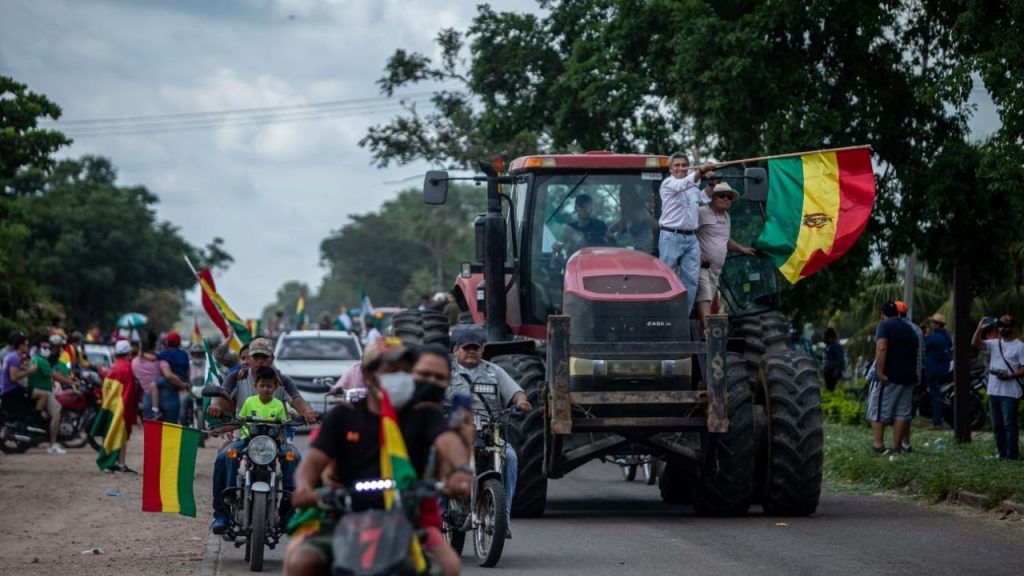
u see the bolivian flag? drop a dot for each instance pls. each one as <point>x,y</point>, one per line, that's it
<point>241,330</point>
<point>109,421</point>
<point>168,468</point>
<point>395,465</point>
<point>300,312</point>
<point>818,205</point>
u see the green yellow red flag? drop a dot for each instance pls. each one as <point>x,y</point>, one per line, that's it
<point>237,325</point>
<point>168,468</point>
<point>300,312</point>
<point>395,465</point>
<point>197,334</point>
<point>818,205</point>
<point>110,424</point>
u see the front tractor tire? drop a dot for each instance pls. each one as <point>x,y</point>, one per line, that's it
<point>528,436</point>
<point>725,486</point>
<point>792,485</point>
<point>765,333</point>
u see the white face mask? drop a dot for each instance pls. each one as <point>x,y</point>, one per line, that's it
<point>399,386</point>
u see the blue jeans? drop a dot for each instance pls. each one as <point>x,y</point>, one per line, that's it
<point>170,404</point>
<point>1004,426</point>
<point>510,474</point>
<point>681,252</point>
<point>935,390</point>
<point>225,473</point>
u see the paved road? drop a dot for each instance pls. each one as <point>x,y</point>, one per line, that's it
<point>597,524</point>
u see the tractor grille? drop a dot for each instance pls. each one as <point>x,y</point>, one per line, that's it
<point>624,284</point>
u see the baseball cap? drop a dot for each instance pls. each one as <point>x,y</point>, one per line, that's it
<point>261,346</point>
<point>173,339</point>
<point>57,340</point>
<point>901,307</point>
<point>388,349</point>
<point>469,335</point>
<point>890,310</point>
<point>122,348</point>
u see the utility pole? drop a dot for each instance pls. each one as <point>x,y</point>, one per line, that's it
<point>908,283</point>
<point>962,334</point>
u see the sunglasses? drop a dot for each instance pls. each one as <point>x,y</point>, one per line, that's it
<point>427,375</point>
<point>471,347</point>
<point>724,195</point>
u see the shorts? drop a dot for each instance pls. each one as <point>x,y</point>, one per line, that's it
<point>890,401</point>
<point>707,284</point>
<point>52,405</point>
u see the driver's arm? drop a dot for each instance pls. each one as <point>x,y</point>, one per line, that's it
<point>218,404</point>
<point>313,464</point>
<point>297,401</point>
<point>452,451</point>
<point>509,392</point>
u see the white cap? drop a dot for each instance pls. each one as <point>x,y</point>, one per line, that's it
<point>122,348</point>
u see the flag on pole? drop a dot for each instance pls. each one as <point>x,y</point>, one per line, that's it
<point>109,421</point>
<point>365,304</point>
<point>343,321</point>
<point>212,378</point>
<point>208,304</point>
<point>818,205</point>
<point>254,326</point>
<point>300,311</point>
<point>239,327</point>
<point>395,465</point>
<point>197,334</point>
<point>169,468</point>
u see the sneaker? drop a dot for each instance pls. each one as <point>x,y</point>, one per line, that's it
<point>110,469</point>
<point>56,449</point>
<point>879,450</point>
<point>219,524</point>
<point>906,449</point>
<point>124,468</point>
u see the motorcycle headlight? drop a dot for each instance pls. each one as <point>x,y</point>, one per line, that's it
<point>262,450</point>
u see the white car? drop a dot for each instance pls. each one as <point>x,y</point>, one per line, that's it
<point>99,356</point>
<point>314,360</point>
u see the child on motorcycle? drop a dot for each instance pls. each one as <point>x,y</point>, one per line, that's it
<point>264,405</point>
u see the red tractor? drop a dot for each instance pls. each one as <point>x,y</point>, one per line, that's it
<point>595,329</point>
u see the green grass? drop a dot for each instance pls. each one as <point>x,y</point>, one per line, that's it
<point>937,468</point>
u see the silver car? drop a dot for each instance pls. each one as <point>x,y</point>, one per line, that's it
<point>314,360</point>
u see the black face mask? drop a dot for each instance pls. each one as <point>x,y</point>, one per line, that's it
<point>1004,332</point>
<point>427,391</point>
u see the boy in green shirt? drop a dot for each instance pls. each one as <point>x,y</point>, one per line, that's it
<point>263,405</point>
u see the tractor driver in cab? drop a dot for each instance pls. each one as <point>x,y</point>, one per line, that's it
<point>470,369</point>
<point>585,231</point>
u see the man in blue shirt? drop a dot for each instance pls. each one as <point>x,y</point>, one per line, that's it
<point>890,399</point>
<point>938,353</point>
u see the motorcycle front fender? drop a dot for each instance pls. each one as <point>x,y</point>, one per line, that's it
<point>260,488</point>
<point>484,476</point>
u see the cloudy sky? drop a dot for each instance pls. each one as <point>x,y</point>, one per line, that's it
<point>273,191</point>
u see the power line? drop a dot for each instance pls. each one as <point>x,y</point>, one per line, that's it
<point>212,114</point>
<point>210,124</point>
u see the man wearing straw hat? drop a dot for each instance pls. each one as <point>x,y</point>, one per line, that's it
<point>713,232</point>
<point>938,353</point>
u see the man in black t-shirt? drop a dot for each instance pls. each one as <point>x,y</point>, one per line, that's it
<point>890,398</point>
<point>349,442</point>
<point>586,230</point>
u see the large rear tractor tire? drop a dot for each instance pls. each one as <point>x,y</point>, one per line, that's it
<point>528,437</point>
<point>764,333</point>
<point>792,486</point>
<point>673,486</point>
<point>726,483</point>
<point>421,327</point>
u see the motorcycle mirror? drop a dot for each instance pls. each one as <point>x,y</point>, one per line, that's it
<point>213,391</point>
<point>435,187</point>
<point>756,184</point>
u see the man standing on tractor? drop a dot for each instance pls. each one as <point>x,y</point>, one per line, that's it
<point>680,199</point>
<point>470,369</point>
<point>713,238</point>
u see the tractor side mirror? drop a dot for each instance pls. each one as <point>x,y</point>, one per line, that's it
<point>214,391</point>
<point>756,183</point>
<point>435,187</point>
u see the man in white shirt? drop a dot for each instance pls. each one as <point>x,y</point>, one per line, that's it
<point>1005,371</point>
<point>680,199</point>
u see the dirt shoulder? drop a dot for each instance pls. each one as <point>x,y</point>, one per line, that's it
<point>55,507</point>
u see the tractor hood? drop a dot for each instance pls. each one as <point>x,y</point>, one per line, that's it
<point>620,274</point>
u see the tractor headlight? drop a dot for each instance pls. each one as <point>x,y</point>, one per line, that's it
<point>262,450</point>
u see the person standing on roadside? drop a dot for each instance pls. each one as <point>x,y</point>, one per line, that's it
<point>677,242</point>
<point>938,353</point>
<point>904,310</point>
<point>1005,371</point>
<point>835,359</point>
<point>120,373</point>
<point>890,398</point>
<point>174,367</point>
<point>146,369</point>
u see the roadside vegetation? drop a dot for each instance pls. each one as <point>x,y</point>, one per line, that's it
<point>937,469</point>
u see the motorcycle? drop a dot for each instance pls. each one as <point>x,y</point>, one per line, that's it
<point>376,542</point>
<point>976,408</point>
<point>484,513</point>
<point>22,427</point>
<point>192,410</point>
<point>255,501</point>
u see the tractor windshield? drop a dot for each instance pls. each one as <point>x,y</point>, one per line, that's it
<point>574,210</point>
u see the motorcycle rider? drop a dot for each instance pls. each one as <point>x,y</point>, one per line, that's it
<point>42,381</point>
<point>349,442</point>
<point>470,369</point>
<point>12,373</point>
<point>240,386</point>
